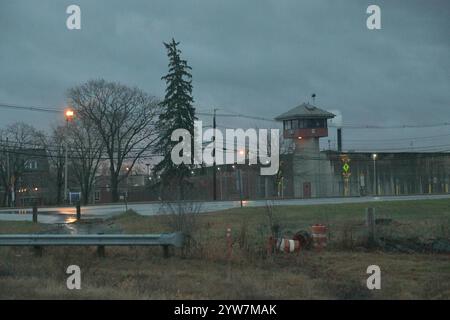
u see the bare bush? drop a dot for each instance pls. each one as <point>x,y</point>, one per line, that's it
<point>347,240</point>
<point>272,220</point>
<point>182,216</point>
<point>243,236</point>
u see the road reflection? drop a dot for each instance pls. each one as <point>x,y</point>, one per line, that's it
<point>43,217</point>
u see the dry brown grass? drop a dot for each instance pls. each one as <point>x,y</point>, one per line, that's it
<point>339,272</point>
<point>21,227</point>
<point>139,273</point>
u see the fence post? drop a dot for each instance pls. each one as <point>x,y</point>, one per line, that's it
<point>35,213</point>
<point>229,244</point>
<point>101,251</point>
<point>229,251</point>
<point>37,251</point>
<point>165,251</point>
<point>370,223</point>
<point>78,211</point>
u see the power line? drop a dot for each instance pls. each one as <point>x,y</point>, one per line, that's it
<point>28,108</point>
<point>348,126</point>
<point>411,155</point>
<point>32,154</point>
<point>226,142</point>
<point>241,115</point>
<point>399,139</point>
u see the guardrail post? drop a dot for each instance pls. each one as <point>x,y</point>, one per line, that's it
<point>78,211</point>
<point>165,251</point>
<point>37,251</point>
<point>101,251</point>
<point>35,213</point>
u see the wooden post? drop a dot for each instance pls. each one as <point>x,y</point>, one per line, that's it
<point>101,251</point>
<point>370,223</point>
<point>229,252</point>
<point>240,186</point>
<point>37,251</point>
<point>165,251</point>
<point>35,213</point>
<point>78,211</point>
<point>270,244</point>
<point>229,244</point>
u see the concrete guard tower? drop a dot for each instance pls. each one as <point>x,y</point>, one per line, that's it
<point>305,125</point>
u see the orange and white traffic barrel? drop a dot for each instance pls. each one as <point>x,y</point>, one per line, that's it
<point>283,245</point>
<point>319,234</point>
<point>288,245</point>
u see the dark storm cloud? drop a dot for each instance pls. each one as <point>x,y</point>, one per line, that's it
<point>255,57</point>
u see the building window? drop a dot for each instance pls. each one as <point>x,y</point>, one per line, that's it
<point>295,124</point>
<point>315,123</point>
<point>97,195</point>
<point>31,165</point>
<point>288,125</point>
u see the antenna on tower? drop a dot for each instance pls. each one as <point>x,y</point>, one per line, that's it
<point>313,96</point>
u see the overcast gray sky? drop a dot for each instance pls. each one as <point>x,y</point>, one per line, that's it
<point>259,57</point>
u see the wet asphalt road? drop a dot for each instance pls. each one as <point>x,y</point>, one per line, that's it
<point>54,215</point>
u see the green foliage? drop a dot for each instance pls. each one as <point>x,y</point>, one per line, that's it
<point>177,113</point>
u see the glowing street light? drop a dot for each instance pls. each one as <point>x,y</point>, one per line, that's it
<point>69,114</point>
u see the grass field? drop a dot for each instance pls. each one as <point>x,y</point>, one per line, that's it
<point>203,272</point>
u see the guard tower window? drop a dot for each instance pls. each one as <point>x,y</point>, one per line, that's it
<point>316,123</point>
<point>287,125</point>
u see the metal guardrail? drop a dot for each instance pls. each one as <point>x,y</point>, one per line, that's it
<point>163,239</point>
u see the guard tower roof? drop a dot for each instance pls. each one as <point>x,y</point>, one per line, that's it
<point>305,110</point>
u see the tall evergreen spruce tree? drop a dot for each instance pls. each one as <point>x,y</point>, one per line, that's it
<point>177,113</point>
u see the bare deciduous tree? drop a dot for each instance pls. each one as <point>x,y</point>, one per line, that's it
<point>54,144</point>
<point>18,143</point>
<point>85,148</point>
<point>122,117</point>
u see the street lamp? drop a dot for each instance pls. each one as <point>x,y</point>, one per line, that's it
<point>375,182</point>
<point>69,114</point>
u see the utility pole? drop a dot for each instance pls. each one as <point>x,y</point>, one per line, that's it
<point>7,172</point>
<point>214,157</point>
<point>69,115</point>
<point>93,190</point>
<point>240,185</point>
<point>375,180</point>
<point>65,172</point>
